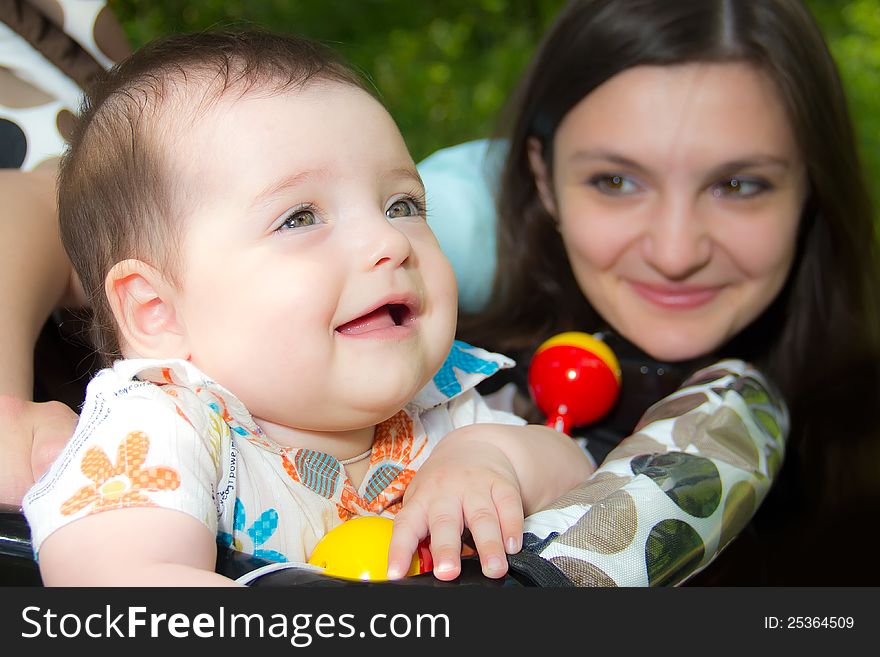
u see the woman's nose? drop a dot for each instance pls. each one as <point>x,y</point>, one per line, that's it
<point>676,243</point>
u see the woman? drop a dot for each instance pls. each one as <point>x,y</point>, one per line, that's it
<point>682,176</point>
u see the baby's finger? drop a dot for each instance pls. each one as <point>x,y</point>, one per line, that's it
<point>482,520</point>
<point>446,525</point>
<point>508,504</point>
<point>410,527</point>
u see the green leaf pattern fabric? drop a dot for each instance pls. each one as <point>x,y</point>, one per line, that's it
<point>674,494</point>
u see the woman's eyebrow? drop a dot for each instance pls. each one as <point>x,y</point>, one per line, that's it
<point>736,164</point>
<point>751,162</point>
<point>606,156</point>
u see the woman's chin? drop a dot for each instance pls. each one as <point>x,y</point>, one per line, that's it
<point>674,350</point>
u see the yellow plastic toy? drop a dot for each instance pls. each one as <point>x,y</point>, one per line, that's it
<point>358,549</point>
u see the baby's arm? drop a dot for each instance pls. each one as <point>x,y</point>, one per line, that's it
<point>483,477</point>
<point>547,463</point>
<point>131,547</point>
<point>132,498</point>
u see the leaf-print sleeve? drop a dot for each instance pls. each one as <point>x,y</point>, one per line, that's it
<point>135,445</point>
<point>672,495</point>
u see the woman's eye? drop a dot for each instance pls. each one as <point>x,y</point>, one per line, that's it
<point>299,219</point>
<point>405,207</point>
<point>613,184</point>
<point>739,187</point>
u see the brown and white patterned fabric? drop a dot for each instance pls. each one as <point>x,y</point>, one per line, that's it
<point>50,50</point>
<point>673,495</point>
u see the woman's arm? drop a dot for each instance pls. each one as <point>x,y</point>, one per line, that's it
<point>671,496</point>
<point>52,63</point>
<point>35,277</point>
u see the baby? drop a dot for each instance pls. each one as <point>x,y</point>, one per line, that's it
<point>279,321</point>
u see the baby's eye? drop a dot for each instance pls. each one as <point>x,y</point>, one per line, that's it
<point>300,218</point>
<point>405,207</point>
<point>613,184</point>
<point>739,188</point>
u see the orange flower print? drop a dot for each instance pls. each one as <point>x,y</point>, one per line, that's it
<point>350,504</point>
<point>394,448</point>
<point>120,485</point>
<point>394,441</point>
<point>391,498</point>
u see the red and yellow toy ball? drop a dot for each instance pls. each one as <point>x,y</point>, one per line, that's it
<point>574,379</point>
<point>358,549</point>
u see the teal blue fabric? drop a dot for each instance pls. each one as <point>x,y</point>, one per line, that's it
<point>460,183</point>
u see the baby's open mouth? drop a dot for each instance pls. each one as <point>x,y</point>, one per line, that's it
<point>383,317</point>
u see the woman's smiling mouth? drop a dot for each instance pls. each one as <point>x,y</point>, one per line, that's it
<point>676,297</point>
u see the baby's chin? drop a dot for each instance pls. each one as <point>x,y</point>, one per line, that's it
<point>355,411</point>
<point>351,420</point>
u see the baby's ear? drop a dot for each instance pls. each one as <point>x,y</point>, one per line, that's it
<point>144,306</point>
<point>542,176</point>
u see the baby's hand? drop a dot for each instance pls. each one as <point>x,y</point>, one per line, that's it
<point>464,483</point>
<point>32,435</point>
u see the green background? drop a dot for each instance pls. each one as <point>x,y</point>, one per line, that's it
<point>444,68</point>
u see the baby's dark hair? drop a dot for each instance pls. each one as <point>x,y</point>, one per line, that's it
<point>119,196</point>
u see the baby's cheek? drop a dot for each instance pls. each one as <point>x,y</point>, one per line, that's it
<point>439,279</point>
<point>449,295</point>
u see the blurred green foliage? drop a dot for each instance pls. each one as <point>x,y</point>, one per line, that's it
<point>852,28</point>
<point>442,67</point>
<point>445,67</point>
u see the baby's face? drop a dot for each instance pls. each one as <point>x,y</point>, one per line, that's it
<point>311,285</point>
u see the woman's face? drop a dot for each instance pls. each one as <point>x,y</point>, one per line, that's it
<point>677,191</point>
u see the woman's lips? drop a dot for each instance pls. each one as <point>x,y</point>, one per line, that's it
<point>674,297</point>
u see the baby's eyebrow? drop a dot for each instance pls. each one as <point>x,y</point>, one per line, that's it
<point>289,182</point>
<point>286,183</point>
<point>407,172</point>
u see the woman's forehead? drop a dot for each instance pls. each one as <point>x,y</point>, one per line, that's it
<point>704,111</point>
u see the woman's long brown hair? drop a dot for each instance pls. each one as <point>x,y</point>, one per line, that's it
<point>826,318</point>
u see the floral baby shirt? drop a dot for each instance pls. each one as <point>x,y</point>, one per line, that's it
<point>160,433</point>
